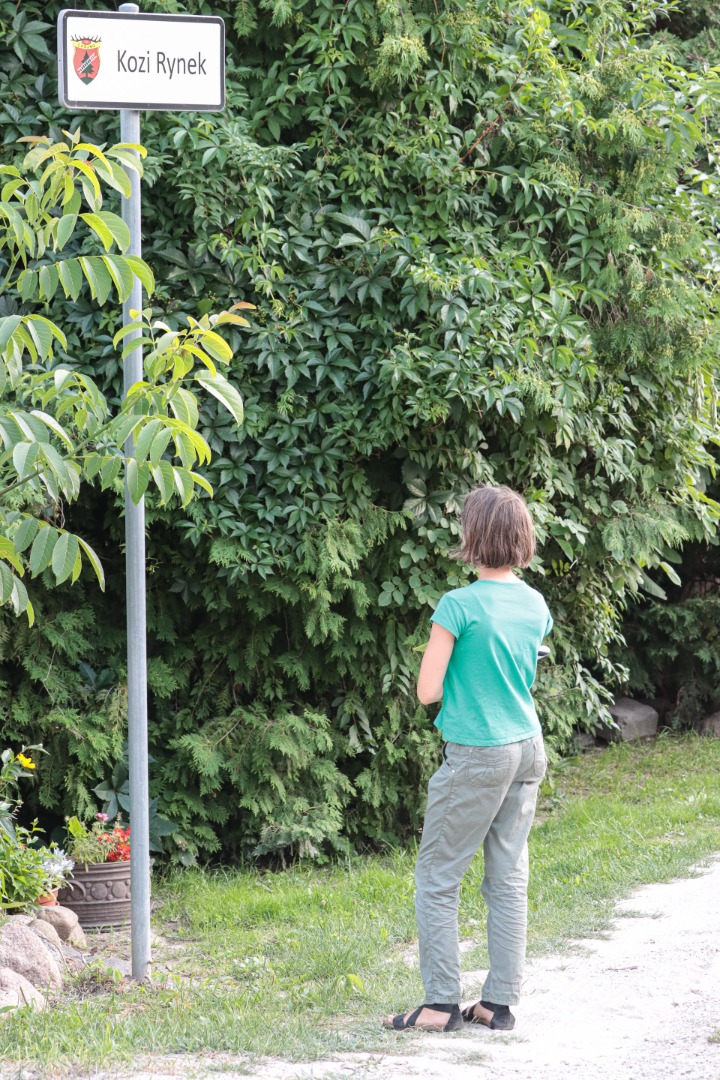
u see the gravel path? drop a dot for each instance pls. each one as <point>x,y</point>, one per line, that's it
<point>641,1004</point>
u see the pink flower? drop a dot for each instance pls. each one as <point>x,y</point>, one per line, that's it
<point>101,817</point>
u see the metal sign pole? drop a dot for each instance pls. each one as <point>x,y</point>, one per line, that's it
<point>125,61</point>
<point>135,592</point>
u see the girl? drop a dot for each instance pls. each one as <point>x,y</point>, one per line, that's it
<point>481,660</point>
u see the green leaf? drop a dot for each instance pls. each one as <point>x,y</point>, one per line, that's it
<point>138,478</point>
<point>143,272</point>
<point>121,274</point>
<point>98,226</point>
<point>7,551</point>
<point>42,549</point>
<point>184,484</point>
<point>224,391</point>
<point>165,480</point>
<point>64,230</point>
<point>144,440</point>
<point>121,180</point>
<point>216,346</point>
<point>94,562</point>
<point>184,406</point>
<point>8,326</point>
<point>7,582</point>
<point>25,457</point>
<point>26,533</point>
<point>48,282</point>
<point>159,445</point>
<point>28,284</point>
<point>52,423</point>
<point>59,466</point>
<point>64,555</point>
<point>117,229</point>
<point>93,464</point>
<point>202,482</point>
<point>19,598</point>
<point>43,332</point>
<point>110,470</point>
<point>71,277</point>
<point>98,277</point>
<point>135,327</point>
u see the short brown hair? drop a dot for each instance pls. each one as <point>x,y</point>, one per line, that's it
<point>497,529</point>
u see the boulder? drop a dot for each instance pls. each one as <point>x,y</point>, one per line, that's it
<point>710,725</point>
<point>66,923</point>
<point>47,931</point>
<point>584,741</point>
<point>16,990</point>
<point>24,952</point>
<point>50,938</point>
<point>77,939</point>
<point>634,721</point>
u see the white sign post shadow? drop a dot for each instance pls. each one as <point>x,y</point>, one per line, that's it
<point>127,61</point>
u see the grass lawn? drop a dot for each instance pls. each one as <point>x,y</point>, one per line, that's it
<point>301,964</point>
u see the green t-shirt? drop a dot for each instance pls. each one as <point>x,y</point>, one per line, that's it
<point>498,627</point>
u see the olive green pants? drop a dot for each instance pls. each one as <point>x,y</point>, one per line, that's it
<point>481,796</point>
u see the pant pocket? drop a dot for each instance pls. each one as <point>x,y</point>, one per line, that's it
<point>489,764</point>
<point>455,756</point>
<point>540,759</point>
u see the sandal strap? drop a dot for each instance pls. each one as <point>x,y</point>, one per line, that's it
<point>400,1023</point>
<point>468,1014</point>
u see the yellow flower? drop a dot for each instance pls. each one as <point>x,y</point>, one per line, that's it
<point>26,762</point>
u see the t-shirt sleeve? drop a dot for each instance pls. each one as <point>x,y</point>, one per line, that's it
<point>549,624</point>
<point>450,615</point>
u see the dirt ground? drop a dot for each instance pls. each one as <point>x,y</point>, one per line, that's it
<point>641,1004</point>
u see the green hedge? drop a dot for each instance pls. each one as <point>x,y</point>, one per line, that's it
<point>481,249</point>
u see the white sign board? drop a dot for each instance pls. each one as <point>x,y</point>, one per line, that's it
<point>114,60</point>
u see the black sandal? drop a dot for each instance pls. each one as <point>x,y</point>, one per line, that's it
<point>502,1019</point>
<point>454,1022</point>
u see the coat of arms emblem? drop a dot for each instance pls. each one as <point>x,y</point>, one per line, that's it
<point>86,58</point>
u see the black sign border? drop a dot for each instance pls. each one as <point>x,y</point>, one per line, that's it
<point>136,106</point>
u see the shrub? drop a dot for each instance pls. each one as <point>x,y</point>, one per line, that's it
<point>479,237</point>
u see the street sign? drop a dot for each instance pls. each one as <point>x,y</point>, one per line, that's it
<point>121,60</point>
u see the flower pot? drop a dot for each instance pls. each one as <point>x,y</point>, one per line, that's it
<point>49,899</point>
<point>99,894</point>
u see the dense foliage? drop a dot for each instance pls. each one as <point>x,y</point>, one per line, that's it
<point>674,655</point>
<point>481,238</point>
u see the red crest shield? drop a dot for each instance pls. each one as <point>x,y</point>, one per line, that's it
<point>86,58</point>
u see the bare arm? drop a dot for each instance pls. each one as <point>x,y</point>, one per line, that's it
<point>434,664</point>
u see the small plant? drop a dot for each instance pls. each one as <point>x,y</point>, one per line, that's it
<point>27,870</point>
<point>58,866</point>
<point>13,767</point>
<point>97,844</point>
<point>23,874</point>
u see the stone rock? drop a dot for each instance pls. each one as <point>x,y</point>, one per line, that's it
<point>584,741</point>
<point>47,931</point>
<point>24,952</point>
<point>634,720</point>
<point>16,990</point>
<point>710,725</point>
<point>62,919</point>
<point>116,963</point>
<point>21,920</point>
<point>77,939</point>
<point>51,939</point>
